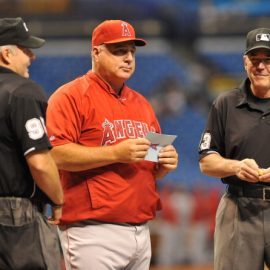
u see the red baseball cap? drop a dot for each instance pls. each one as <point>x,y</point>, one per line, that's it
<point>115,31</point>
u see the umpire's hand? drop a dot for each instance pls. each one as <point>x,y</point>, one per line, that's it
<point>56,215</point>
<point>247,170</point>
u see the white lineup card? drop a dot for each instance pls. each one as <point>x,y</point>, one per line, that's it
<point>157,142</point>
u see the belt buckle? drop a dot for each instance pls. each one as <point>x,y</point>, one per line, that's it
<point>265,197</point>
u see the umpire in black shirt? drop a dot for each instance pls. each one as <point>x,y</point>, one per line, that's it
<point>28,175</point>
<point>235,147</point>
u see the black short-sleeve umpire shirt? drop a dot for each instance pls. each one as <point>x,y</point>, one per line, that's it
<point>238,127</point>
<point>22,131</point>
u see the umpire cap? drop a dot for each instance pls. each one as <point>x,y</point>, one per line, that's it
<point>13,31</point>
<point>258,38</point>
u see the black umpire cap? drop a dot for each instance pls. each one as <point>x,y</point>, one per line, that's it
<point>13,31</point>
<point>258,38</point>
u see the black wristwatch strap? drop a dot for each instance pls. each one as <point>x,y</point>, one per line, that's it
<point>54,205</point>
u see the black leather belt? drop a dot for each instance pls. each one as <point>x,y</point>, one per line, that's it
<point>262,192</point>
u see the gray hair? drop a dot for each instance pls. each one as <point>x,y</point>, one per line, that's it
<point>10,47</point>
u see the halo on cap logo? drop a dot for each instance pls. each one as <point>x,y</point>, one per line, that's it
<point>263,37</point>
<point>125,30</point>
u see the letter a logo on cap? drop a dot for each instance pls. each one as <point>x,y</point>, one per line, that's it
<point>125,30</point>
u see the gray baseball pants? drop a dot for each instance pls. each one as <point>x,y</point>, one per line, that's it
<point>242,234</point>
<point>106,246</point>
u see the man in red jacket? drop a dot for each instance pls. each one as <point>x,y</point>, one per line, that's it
<point>97,125</point>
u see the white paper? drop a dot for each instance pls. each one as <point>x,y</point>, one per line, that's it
<point>157,142</point>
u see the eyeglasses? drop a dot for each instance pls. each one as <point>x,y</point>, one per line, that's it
<point>257,61</point>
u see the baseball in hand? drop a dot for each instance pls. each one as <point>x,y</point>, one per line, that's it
<point>260,172</point>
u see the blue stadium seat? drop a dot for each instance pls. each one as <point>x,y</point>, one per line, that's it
<point>53,71</point>
<point>229,63</point>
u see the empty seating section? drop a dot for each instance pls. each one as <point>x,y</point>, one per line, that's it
<point>229,63</point>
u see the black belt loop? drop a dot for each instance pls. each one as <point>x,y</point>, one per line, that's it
<point>266,193</point>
